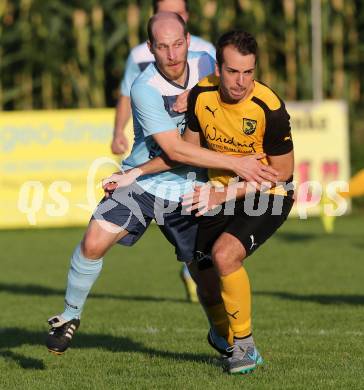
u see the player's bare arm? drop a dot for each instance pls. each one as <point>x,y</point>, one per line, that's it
<point>187,151</point>
<point>249,168</point>
<point>158,164</point>
<point>283,164</point>
<point>119,142</point>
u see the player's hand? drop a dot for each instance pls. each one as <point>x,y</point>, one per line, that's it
<point>250,168</point>
<point>109,188</point>
<point>118,180</point>
<point>204,198</point>
<point>181,102</point>
<point>119,144</point>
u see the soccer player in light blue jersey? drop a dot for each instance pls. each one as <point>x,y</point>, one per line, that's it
<point>123,217</point>
<point>139,58</point>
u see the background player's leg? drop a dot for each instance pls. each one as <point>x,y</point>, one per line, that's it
<point>189,284</point>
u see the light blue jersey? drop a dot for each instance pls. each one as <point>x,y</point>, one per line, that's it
<point>152,97</point>
<point>140,57</point>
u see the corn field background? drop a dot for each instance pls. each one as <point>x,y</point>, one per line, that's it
<point>71,54</point>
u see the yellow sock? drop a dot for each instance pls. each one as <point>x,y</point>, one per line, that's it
<point>235,292</point>
<point>218,317</point>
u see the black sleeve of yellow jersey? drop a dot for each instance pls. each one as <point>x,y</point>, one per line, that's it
<point>191,118</point>
<point>277,137</point>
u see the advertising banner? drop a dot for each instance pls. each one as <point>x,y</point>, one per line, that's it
<point>52,162</point>
<point>322,163</point>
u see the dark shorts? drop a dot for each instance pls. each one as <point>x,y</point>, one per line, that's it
<point>250,224</point>
<point>133,209</point>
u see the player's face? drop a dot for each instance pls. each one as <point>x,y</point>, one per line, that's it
<point>170,49</point>
<point>236,75</point>
<point>177,6</point>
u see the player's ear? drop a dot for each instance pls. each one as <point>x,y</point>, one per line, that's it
<point>150,47</point>
<point>217,70</point>
<point>188,39</point>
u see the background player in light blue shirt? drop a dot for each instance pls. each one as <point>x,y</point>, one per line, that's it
<point>139,58</point>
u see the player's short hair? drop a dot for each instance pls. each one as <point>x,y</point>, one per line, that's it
<point>156,2</point>
<point>244,42</point>
<point>155,17</point>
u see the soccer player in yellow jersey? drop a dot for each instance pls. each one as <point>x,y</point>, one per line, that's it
<point>231,113</point>
<point>237,115</point>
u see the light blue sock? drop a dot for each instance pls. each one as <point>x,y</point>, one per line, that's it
<point>186,272</point>
<point>81,277</point>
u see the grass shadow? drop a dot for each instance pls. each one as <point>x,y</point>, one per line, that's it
<point>23,361</point>
<point>16,337</point>
<point>336,299</point>
<point>359,245</point>
<point>296,237</point>
<point>38,290</point>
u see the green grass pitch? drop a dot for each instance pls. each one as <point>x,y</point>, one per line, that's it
<point>137,331</point>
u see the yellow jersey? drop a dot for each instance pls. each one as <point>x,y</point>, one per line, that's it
<point>259,123</point>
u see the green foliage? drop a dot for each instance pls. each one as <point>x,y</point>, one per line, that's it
<point>69,54</point>
<point>137,332</point>
<point>74,42</point>
<point>83,45</point>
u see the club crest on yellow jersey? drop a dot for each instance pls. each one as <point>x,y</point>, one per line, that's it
<point>249,126</point>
